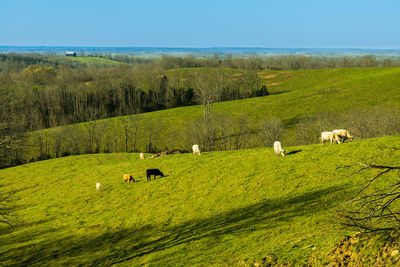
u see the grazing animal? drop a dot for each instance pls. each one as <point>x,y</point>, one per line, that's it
<point>343,135</point>
<point>168,152</point>
<point>155,172</point>
<point>331,136</point>
<point>98,186</point>
<point>278,148</point>
<point>128,178</point>
<point>196,149</point>
<point>141,156</point>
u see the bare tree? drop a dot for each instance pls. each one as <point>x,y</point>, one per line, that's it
<point>73,139</point>
<point>130,125</point>
<point>58,136</point>
<point>42,139</point>
<point>378,121</point>
<point>208,85</point>
<point>375,207</point>
<point>109,136</point>
<point>250,81</point>
<point>153,128</point>
<point>225,127</point>
<point>135,126</point>
<point>126,125</point>
<point>196,133</point>
<point>309,130</point>
<point>270,131</point>
<point>242,132</point>
<point>94,131</point>
<point>368,61</point>
<point>12,130</point>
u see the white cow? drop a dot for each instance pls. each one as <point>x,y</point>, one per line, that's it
<point>331,136</point>
<point>343,134</point>
<point>141,156</point>
<point>196,149</point>
<point>98,185</point>
<point>278,148</point>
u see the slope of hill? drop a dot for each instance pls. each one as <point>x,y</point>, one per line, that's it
<point>223,208</point>
<point>295,95</point>
<point>90,61</point>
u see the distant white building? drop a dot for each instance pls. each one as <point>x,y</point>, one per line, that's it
<point>70,54</point>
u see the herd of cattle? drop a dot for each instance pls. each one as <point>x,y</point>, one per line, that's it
<point>333,136</point>
<point>336,136</point>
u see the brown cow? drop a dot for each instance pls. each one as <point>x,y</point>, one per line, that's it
<point>128,178</point>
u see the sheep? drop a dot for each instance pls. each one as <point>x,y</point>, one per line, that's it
<point>141,156</point>
<point>98,184</point>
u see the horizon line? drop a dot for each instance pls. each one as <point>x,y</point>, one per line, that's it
<point>201,47</point>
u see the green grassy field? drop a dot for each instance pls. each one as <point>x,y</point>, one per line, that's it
<point>220,208</point>
<point>90,61</point>
<point>295,95</point>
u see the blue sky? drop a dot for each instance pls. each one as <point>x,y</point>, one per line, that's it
<point>205,23</point>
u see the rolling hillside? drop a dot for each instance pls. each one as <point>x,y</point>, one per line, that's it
<point>223,208</point>
<point>89,61</point>
<point>295,95</point>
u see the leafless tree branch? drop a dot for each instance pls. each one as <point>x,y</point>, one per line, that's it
<point>374,211</point>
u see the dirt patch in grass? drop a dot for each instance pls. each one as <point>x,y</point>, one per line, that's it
<point>272,84</point>
<point>269,76</point>
<point>281,75</point>
<point>367,250</point>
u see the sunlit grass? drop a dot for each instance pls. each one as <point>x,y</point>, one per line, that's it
<point>223,208</point>
<point>91,61</point>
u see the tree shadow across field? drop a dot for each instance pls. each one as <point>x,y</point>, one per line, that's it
<point>8,207</point>
<point>23,238</point>
<point>127,244</point>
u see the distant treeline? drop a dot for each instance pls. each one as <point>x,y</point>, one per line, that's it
<point>278,62</point>
<point>282,62</point>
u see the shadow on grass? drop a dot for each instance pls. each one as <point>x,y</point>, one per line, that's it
<point>279,92</point>
<point>160,177</point>
<point>8,208</point>
<point>294,152</point>
<point>128,244</point>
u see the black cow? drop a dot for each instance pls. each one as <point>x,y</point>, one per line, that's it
<point>155,172</point>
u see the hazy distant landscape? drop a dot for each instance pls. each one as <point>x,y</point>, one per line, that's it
<point>203,52</point>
